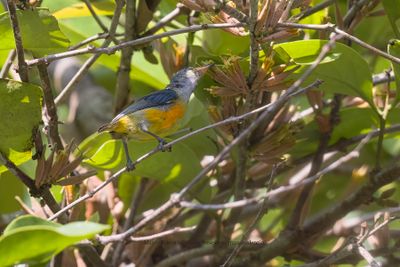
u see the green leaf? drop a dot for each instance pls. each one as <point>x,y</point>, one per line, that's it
<point>337,69</point>
<point>394,50</point>
<point>20,114</point>
<point>103,8</point>
<point>39,31</point>
<point>32,240</point>
<point>10,186</point>
<point>393,13</point>
<point>220,42</point>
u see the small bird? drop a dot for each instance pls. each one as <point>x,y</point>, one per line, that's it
<point>155,115</point>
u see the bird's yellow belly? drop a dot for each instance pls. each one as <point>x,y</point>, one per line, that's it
<point>161,122</point>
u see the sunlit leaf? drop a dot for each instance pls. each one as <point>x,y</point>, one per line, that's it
<point>20,114</point>
<point>39,31</point>
<point>103,8</point>
<point>343,70</point>
<point>393,13</point>
<point>29,239</point>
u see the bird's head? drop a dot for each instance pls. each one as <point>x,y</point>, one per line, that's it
<point>185,81</point>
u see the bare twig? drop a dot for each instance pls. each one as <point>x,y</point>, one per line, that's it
<point>50,108</point>
<point>136,42</point>
<point>382,78</point>
<point>162,234</point>
<point>98,20</point>
<point>22,66</point>
<point>261,212</point>
<point>85,67</point>
<point>302,204</point>
<point>356,6</point>
<point>367,256</point>
<point>230,205</point>
<point>89,40</point>
<point>7,65</point>
<point>137,197</point>
<point>331,28</point>
<point>315,9</point>
<point>180,9</point>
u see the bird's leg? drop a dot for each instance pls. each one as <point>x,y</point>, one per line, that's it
<point>129,163</point>
<point>161,141</point>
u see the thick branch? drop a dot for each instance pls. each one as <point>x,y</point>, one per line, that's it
<point>50,108</point>
<point>22,66</point>
<point>122,87</point>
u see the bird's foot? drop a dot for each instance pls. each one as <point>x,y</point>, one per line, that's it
<point>130,166</point>
<point>161,146</point>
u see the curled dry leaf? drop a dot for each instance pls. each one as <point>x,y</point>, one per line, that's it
<point>222,17</point>
<point>231,78</point>
<point>56,166</point>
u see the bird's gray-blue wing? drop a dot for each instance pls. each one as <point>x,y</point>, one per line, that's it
<point>156,99</point>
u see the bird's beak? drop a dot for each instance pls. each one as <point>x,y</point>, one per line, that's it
<point>202,70</point>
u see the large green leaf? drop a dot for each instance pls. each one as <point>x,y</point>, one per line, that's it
<point>29,239</point>
<point>393,13</point>
<point>343,70</point>
<point>20,114</point>
<point>39,31</point>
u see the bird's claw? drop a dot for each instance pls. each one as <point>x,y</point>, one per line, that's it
<point>161,146</point>
<point>130,166</point>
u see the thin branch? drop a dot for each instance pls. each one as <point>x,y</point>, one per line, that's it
<point>50,108</point>
<point>261,212</point>
<point>162,234</point>
<point>382,78</point>
<point>231,205</point>
<point>331,28</point>
<point>315,9</point>
<point>89,40</point>
<point>367,256</point>
<point>137,197</point>
<point>180,9</point>
<point>7,65</point>
<point>85,67</point>
<point>136,42</point>
<point>302,204</point>
<point>22,66</point>
<point>98,20</point>
<point>356,6</point>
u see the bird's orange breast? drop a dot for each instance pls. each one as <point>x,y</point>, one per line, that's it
<point>164,121</point>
